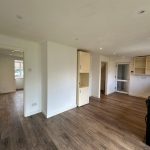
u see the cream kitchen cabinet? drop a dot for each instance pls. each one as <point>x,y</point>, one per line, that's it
<point>83,78</point>
<point>84,62</point>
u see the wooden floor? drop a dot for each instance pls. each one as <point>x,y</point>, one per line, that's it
<point>114,123</point>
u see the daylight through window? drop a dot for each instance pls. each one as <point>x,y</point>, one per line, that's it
<point>18,69</point>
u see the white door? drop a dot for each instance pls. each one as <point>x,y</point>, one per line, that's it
<point>122,83</point>
<point>83,96</point>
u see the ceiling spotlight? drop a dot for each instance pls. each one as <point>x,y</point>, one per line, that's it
<point>100,48</point>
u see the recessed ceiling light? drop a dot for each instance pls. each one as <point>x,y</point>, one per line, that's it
<point>19,17</point>
<point>141,12</point>
<point>100,48</point>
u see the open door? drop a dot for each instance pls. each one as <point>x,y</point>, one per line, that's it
<point>123,78</point>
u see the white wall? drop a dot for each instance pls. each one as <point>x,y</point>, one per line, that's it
<point>96,75</point>
<point>103,75</point>
<point>90,76</point>
<point>60,63</point>
<point>7,80</point>
<point>32,64</point>
<point>111,84</point>
<point>95,65</point>
<point>139,86</point>
<point>19,83</point>
<point>62,75</point>
<point>44,78</point>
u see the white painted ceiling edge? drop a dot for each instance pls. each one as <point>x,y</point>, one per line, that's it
<point>116,26</point>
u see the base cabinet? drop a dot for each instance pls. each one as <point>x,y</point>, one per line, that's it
<point>83,98</point>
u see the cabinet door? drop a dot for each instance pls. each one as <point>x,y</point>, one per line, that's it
<point>83,96</point>
<point>84,62</point>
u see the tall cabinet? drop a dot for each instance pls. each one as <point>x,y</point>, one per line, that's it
<point>83,78</point>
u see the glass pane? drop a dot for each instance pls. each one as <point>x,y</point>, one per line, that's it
<point>21,72</point>
<point>17,65</point>
<point>19,69</point>
<point>123,70</point>
<point>122,86</point>
<point>17,73</point>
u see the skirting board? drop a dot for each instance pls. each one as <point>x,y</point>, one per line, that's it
<point>32,113</point>
<point>140,96</point>
<point>60,111</point>
<point>95,98</point>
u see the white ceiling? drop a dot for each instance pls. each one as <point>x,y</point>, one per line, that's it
<point>114,25</point>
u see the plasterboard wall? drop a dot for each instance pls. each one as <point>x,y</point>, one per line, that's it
<point>44,77</point>
<point>139,86</point>
<point>60,63</point>
<point>111,77</point>
<point>19,83</point>
<point>96,75</point>
<point>95,71</point>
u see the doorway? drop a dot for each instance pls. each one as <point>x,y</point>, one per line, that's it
<point>103,78</point>
<point>122,78</point>
<point>12,75</point>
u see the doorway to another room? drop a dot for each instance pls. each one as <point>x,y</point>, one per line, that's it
<point>103,78</point>
<point>19,74</point>
<point>12,77</point>
<point>122,84</point>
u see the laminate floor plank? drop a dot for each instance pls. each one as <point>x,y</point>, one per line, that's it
<point>116,122</point>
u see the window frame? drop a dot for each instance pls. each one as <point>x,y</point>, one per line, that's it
<point>20,69</point>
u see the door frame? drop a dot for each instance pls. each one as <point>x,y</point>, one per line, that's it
<point>106,78</point>
<point>128,80</point>
<point>10,47</point>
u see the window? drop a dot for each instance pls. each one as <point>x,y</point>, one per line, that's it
<point>18,69</point>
